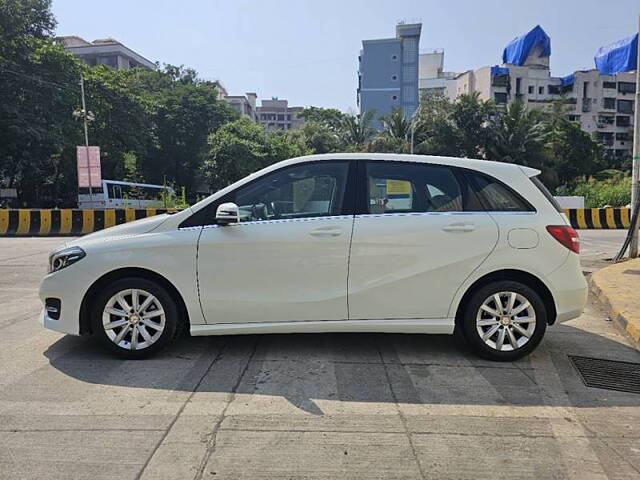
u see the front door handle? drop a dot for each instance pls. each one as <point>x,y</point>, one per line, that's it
<point>459,227</point>
<point>326,232</point>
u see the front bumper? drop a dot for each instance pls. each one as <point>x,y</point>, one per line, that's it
<point>69,286</point>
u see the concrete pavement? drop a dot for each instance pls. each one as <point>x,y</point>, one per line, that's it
<point>305,406</point>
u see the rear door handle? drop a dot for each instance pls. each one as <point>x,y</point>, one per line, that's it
<point>326,232</point>
<point>459,227</point>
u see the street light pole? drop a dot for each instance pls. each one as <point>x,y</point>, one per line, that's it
<point>86,135</point>
<point>635,189</point>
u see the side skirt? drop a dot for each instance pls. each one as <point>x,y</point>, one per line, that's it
<point>411,325</point>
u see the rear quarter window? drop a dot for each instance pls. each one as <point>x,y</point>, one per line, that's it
<point>545,191</point>
<point>495,196</point>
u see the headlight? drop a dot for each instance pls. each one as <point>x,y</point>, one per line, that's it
<point>63,258</point>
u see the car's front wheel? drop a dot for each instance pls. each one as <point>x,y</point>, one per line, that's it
<point>504,320</point>
<point>134,317</point>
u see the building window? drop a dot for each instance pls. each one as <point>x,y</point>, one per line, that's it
<point>625,106</point>
<point>500,97</point>
<point>626,87</point>
<point>540,90</point>
<point>609,85</point>
<point>518,85</point>
<point>609,103</point>
<point>530,89</point>
<point>622,136</point>
<point>623,121</point>
<point>573,118</point>
<point>554,89</point>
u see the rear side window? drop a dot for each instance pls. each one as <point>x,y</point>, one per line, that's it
<point>545,191</point>
<point>395,187</point>
<point>496,196</point>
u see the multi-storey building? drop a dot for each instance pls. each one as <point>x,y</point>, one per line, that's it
<point>388,73</point>
<point>603,105</point>
<point>432,80</point>
<point>276,114</point>
<point>106,51</point>
<point>245,105</point>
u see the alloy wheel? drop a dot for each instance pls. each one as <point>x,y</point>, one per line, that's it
<point>133,319</point>
<point>506,321</point>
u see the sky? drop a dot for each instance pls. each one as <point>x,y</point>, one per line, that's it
<point>307,51</point>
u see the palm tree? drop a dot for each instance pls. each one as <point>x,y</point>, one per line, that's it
<point>395,125</point>
<point>517,136</point>
<point>357,130</point>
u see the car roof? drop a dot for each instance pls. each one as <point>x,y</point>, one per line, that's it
<point>488,166</point>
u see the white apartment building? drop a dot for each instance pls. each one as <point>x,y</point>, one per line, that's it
<point>245,105</point>
<point>432,79</point>
<point>107,51</point>
<point>603,105</point>
<point>276,114</point>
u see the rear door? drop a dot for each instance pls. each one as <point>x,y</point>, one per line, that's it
<point>418,235</point>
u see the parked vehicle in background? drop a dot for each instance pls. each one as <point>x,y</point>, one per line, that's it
<point>117,194</point>
<point>333,243</point>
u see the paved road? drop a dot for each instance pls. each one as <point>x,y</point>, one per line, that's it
<point>304,406</point>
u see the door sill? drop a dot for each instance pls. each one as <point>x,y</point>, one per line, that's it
<point>411,325</point>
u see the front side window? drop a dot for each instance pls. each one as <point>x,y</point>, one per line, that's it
<point>400,188</point>
<point>309,190</point>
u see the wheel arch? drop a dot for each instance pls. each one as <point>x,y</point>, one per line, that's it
<point>521,276</point>
<point>85,306</point>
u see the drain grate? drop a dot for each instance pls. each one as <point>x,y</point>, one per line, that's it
<point>608,374</point>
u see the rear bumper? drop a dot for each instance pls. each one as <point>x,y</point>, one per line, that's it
<point>569,289</point>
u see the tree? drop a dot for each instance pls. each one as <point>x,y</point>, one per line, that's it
<point>242,147</point>
<point>331,118</point>
<point>356,130</point>
<point>471,127</point>
<point>320,137</point>
<point>38,92</point>
<point>517,136</point>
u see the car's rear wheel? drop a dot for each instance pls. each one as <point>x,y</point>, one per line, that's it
<point>134,317</point>
<point>504,320</point>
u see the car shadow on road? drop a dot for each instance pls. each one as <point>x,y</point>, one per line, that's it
<point>304,368</point>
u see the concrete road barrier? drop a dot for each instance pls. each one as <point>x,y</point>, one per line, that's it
<point>599,218</point>
<point>45,222</point>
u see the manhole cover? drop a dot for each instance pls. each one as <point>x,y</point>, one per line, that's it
<point>608,374</point>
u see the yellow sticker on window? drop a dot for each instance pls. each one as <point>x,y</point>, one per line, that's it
<point>398,187</point>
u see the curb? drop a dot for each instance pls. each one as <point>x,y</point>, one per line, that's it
<point>53,222</point>
<point>599,218</point>
<point>614,299</point>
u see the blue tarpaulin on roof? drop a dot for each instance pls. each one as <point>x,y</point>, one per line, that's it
<point>517,51</point>
<point>568,80</point>
<point>496,70</point>
<point>620,56</point>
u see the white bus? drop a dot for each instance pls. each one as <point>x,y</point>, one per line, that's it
<point>116,194</point>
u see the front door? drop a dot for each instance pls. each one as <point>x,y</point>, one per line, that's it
<point>418,240</point>
<point>287,259</point>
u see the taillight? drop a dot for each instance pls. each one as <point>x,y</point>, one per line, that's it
<point>566,235</point>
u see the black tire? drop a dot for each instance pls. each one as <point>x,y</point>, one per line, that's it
<point>166,301</point>
<point>470,329</point>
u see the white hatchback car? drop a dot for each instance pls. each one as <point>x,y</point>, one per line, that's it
<point>332,243</point>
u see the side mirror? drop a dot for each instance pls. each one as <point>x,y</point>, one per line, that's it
<point>227,213</point>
